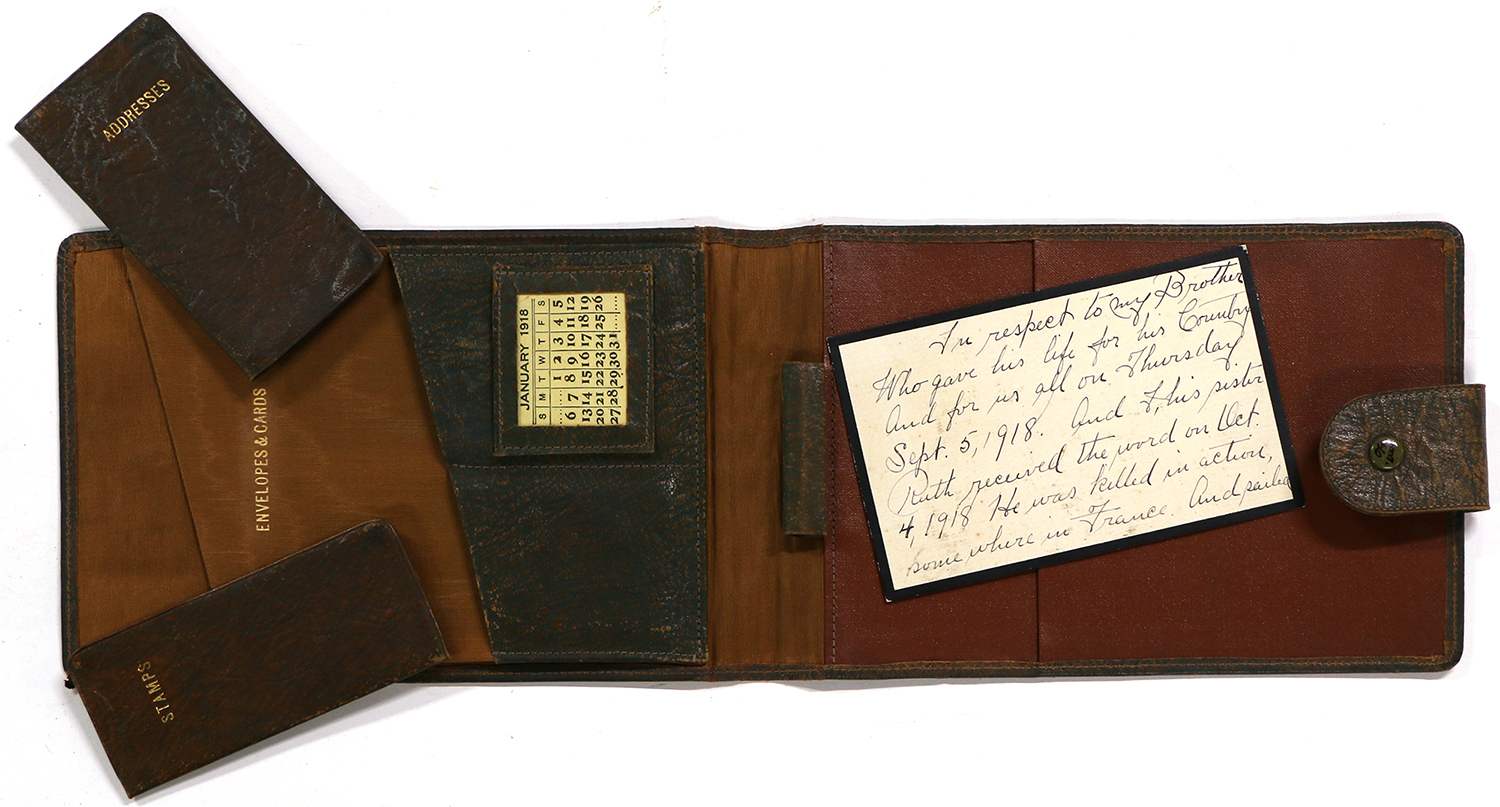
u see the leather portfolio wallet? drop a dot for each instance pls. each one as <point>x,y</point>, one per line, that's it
<point>623,454</point>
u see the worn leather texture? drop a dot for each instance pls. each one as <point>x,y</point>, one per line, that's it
<point>1441,432</point>
<point>580,557</point>
<point>257,656</point>
<point>201,193</point>
<point>804,465</point>
<point>1329,590</point>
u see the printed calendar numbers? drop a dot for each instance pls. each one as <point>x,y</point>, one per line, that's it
<point>570,359</point>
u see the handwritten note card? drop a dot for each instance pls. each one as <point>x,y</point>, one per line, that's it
<point>1065,423</point>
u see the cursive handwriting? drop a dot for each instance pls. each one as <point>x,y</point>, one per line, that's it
<point>1010,434</point>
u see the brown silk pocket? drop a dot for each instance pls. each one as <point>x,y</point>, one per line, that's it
<point>337,432</point>
<point>134,552</point>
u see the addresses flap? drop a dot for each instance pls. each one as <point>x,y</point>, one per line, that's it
<point>257,656</point>
<point>201,193</point>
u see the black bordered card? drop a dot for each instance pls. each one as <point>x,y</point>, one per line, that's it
<point>1065,423</point>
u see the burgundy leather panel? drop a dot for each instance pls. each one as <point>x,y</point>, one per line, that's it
<point>1318,582</point>
<point>866,284</point>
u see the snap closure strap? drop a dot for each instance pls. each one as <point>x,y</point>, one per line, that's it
<point>1410,451</point>
<point>803,449</point>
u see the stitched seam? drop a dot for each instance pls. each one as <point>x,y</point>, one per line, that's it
<point>599,448</point>
<point>761,238</point>
<point>828,474</point>
<point>485,239</point>
<point>1036,574</point>
<point>1454,299</point>
<point>500,251</point>
<point>1453,248</point>
<point>1272,232</point>
<point>569,467</point>
<point>645,654</point>
<point>1453,638</point>
<point>662,238</point>
<point>67,254</point>
<point>1443,509</point>
<point>700,306</point>
<point>470,241</point>
<point>570,269</point>
<point>1158,666</point>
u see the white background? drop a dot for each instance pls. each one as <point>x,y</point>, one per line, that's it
<point>772,115</point>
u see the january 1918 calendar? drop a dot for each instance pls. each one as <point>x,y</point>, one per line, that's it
<point>574,346</point>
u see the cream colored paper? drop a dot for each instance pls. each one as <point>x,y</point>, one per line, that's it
<point>1067,423</point>
<point>570,359</point>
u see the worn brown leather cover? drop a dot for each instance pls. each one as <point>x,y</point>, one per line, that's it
<point>257,656</point>
<point>201,193</point>
<point>1324,589</point>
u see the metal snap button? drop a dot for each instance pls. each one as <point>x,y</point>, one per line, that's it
<point>1386,453</point>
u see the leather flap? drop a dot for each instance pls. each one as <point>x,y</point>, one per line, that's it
<point>581,555</point>
<point>1411,451</point>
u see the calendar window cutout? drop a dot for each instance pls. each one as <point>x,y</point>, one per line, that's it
<point>571,360</point>
<point>574,360</point>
